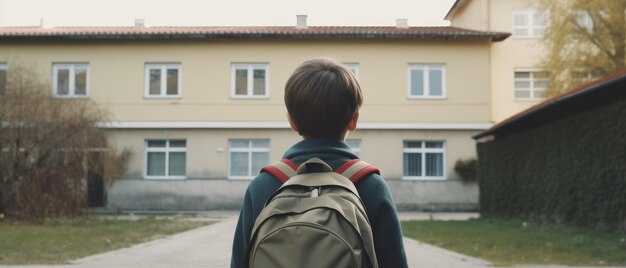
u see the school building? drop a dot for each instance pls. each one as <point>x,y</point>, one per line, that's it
<point>201,108</point>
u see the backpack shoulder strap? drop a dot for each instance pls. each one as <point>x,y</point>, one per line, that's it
<point>356,170</point>
<point>282,170</point>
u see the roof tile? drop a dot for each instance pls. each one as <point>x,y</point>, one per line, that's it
<point>208,32</point>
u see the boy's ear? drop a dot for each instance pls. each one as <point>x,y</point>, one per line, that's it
<point>353,121</point>
<point>292,124</point>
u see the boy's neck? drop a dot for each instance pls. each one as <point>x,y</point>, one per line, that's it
<point>319,138</point>
<point>343,137</point>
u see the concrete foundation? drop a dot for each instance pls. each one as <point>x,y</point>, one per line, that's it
<point>223,194</point>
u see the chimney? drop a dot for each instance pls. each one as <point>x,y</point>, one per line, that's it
<point>140,23</point>
<point>301,22</point>
<point>402,23</point>
<point>42,24</point>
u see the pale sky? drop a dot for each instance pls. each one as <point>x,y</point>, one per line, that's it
<point>222,12</point>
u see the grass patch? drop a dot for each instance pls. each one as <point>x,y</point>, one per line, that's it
<point>511,242</point>
<point>61,240</point>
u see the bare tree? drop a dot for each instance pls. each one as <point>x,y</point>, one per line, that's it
<point>45,143</point>
<point>584,40</point>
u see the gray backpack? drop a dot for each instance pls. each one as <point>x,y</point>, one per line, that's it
<point>316,219</point>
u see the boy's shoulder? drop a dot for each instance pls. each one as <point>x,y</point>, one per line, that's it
<point>263,183</point>
<point>370,185</point>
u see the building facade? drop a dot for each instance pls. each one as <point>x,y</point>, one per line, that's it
<point>201,108</point>
<point>516,81</point>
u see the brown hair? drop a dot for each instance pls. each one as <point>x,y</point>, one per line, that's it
<point>322,96</point>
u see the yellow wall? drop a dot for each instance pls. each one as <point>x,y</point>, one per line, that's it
<point>116,72</point>
<point>208,151</point>
<point>505,56</point>
<point>206,186</point>
<point>472,15</point>
<point>383,148</point>
<point>117,76</point>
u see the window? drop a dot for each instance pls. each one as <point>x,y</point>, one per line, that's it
<point>427,81</point>
<point>530,85</point>
<point>13,152</point>
<point>70,80</point>
<point>163,80</point>
<point>583,20</point>
<point>166,159</point>
<point>354,67</point>
<point>3,78</point>
<point>581,76</point>
<point>355,145</point>
<point>529,23</point>
<point>247,157</point>
<point>250,81</point>
<point>423,160</point>
<point>58,157</point>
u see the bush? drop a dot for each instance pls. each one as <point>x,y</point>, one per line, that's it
<point>466,168</point>
<point>47,149</point>
<point>572,170</point>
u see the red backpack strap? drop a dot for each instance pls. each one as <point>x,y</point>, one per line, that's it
<point>355,170</point>
<point>282,170</point>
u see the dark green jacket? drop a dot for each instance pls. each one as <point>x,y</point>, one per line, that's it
<point>373,190</point>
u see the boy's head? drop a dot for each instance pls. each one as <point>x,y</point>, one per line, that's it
<point>322,97</point>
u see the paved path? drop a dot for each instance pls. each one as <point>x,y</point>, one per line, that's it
<point>210,246</point>
<point>427,256</point>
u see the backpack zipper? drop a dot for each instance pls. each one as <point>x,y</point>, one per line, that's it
<point>315,192</point>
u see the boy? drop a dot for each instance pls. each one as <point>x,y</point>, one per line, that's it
<point>323,99</point>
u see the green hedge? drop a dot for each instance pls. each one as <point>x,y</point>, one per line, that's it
<point>572,170</point>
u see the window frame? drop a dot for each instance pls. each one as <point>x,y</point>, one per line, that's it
<point>531,83</point>
<point>250,67</point>
<point>163,66</point>
<point>426,67</point>
<point>167,150</point>
<point>354,67</point>
<point>423,150</point>
<point>249,150</point>
<point>4,67</point>
<point>530,27</point>
<point>586,77</point>
<point>583,20</point>
<point>71,66</point>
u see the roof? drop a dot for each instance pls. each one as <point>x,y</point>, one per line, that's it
<point>457,4</point>
<point>605,90</point>
<point>248,32</point>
